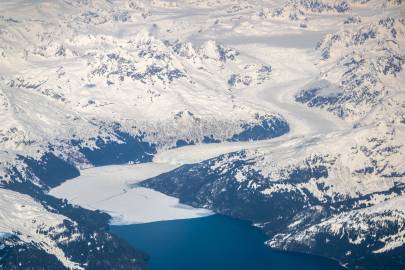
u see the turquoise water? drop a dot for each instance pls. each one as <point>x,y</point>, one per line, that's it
<point>213,243</point>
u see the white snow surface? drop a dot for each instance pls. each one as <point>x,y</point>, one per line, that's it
<point>21,215</point>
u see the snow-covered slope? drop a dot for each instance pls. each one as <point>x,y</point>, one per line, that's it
<point>361,66</point>
<point>87,83</point>
<point>28,219</point>
<point>83,80</point>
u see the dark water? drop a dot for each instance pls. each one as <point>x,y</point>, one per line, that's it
<point>213,243</point>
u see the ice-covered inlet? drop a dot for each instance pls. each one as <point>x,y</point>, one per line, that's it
<point>106,188</point>
<point>111,188</point>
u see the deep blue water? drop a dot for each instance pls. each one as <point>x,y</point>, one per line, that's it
<point>213,243</point>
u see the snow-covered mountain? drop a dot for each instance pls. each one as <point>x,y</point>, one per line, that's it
<point>89,82</point>
<point>360,66</point>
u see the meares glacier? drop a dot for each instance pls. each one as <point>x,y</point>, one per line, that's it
<point>286,114</point>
